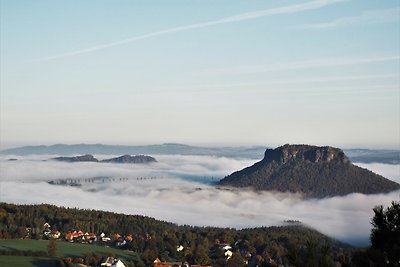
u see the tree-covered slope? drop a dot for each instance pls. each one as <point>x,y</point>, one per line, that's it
<point>311,170</point>
<point>153,238</point>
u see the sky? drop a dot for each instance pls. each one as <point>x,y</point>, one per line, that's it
<point>323,72</point>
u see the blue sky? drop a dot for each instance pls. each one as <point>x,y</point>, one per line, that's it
<point>323,72</point>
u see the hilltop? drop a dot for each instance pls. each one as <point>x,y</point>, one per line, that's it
<point>122,159</point>
<point>131,159</point>
<point>310,170</point>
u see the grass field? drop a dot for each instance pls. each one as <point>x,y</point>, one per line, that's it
<point>11,261</point>
<point>64,249</point>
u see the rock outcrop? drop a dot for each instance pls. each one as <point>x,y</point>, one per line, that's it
<point>310,170</point>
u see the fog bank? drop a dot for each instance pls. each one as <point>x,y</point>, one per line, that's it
<point>179,189</point>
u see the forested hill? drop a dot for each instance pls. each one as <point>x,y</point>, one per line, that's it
<point>122,159</point>
<point>153,238</point>
<point>310,170</point>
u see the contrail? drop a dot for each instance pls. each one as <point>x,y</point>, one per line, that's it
<point>308,64</point>
<point>366,18</point>
<point>241,17</point>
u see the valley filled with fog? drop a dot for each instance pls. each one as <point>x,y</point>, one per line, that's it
<point>181,189</point>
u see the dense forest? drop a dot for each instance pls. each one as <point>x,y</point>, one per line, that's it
<point>290,245</point>
<point>266,246</point>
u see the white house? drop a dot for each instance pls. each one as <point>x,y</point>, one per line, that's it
<point>112,262</point>
<point>228,254</point>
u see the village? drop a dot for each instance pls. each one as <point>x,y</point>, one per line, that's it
<point>120,241</point>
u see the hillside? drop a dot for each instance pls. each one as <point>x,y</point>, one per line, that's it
<point>153,238</point>
<point>310,170</point>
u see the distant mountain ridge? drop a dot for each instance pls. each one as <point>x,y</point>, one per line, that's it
<point>122,159</point>
<point>310,170</point>
<point>251,152</point>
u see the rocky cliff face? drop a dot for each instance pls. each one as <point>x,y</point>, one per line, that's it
<point>309,153</point>
<point>310,170</point>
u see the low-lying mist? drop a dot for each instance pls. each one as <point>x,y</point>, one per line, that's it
<point>180,189</point>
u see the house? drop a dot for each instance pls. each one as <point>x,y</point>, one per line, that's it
<point>28,233</point>
<point>128,237</point>
<point>228,254</point>
<point>104,238</point>
<point>121,243</point>
<point>158,263</point>
<point>90,237</point>
<point>56,234</point>
<point>46,229</point>
<point>225,246</point>
<point>73,236</point>
<point>112,262</point>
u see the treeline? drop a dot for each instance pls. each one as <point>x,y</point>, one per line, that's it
<point>294,245</point>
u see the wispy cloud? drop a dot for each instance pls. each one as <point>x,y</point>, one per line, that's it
<point>236,18</point>
<point>305,64</point>
<point>319,79</point>
<point>367,17</point>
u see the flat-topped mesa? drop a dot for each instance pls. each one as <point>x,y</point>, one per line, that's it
<point>310,170</point>
<point>286,153</point>
<point>83,158</point>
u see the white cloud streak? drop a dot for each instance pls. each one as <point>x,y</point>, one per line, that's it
<point>305,64</point>
<point>393,86</point>
<point>185,201</point>
<point>367,17</point>
<point>236,18</point>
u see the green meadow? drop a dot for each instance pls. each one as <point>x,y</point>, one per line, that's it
<point>64,249</point>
